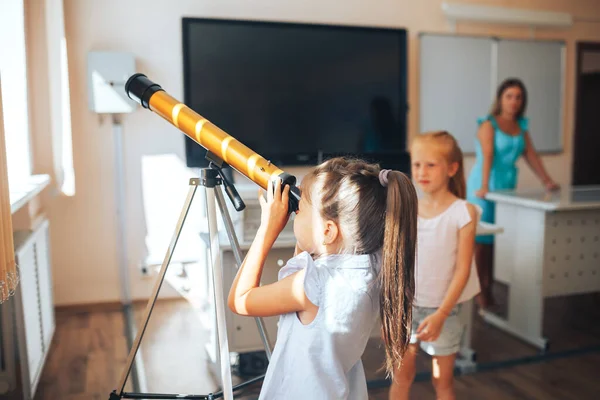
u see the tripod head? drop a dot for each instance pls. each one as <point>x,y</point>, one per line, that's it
<point>224,148</point>
<point>216,165</point>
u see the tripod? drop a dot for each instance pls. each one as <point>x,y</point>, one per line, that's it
<point>211,178</point>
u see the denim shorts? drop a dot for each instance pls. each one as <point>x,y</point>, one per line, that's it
<point>450,337</point>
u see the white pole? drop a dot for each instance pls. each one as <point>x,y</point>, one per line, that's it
<point>217,278</point>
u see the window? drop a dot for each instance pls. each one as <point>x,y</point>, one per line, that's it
<point>13,72</point>
<point>68,184</point>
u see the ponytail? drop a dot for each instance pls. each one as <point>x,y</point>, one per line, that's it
<point>398,267</point>
<point>377,212</point>
<point>457,184</point>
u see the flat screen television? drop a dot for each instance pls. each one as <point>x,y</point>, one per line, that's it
<point>299,93</point>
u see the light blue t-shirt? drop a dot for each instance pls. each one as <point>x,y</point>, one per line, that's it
<point>322,360</point>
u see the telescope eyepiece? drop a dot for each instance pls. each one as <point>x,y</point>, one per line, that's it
<point>139,88</point>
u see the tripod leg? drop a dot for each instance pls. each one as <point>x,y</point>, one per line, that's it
<point>235,246</point>
<point>157,285</point>
<point>217,279</point>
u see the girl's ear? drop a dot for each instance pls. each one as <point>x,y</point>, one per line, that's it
<point>330,232</point>
<point>452,169</point>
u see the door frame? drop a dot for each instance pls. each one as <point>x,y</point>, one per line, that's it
<point>582,47</point>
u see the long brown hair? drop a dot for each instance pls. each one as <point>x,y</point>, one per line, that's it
<point>451,149</point>
<point>507,84</point>
<point>374,218</point>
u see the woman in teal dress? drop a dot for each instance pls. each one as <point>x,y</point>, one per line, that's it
<point>502,138</point>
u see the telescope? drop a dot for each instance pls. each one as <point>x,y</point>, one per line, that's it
<point>217,142</point>
<point>221,149</point>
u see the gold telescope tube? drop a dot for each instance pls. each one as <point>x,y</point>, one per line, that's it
<point>249,163</point>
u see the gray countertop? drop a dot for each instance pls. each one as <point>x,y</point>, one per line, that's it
<point>567,198</point>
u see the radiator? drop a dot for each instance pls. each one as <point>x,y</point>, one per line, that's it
<point>27,320</point>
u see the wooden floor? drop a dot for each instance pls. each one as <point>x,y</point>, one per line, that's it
<point>89,351</point>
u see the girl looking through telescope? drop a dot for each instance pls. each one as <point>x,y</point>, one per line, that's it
<point>356,230</point>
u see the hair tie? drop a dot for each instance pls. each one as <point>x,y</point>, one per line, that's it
<point>383,177</point>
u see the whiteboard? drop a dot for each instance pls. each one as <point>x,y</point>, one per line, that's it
<point>540,66</point>
<point>455,85</point>
<point>459,75</point>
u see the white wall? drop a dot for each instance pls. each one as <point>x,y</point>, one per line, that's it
<point>84,253</point>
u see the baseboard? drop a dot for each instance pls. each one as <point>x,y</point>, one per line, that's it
<point>108,306</point>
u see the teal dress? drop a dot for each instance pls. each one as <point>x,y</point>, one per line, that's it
<point>503,175</point>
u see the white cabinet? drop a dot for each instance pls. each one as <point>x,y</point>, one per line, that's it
<point>242,331</point>
<point>28,318</point>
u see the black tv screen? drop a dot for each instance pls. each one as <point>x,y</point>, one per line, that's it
<point>298,93</point>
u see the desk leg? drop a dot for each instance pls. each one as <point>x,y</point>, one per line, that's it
<point>520,250</point>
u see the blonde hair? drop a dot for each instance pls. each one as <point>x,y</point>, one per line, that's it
<point>448,143</point>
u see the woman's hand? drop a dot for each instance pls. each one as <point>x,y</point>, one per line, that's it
<point>431,327</point>
<point>274,210</point>
<point>551,185</point>
<point>482,192</point>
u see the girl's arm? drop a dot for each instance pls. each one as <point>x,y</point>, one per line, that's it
<point>464,260</point>
<point>431,326</point>
<point>486,140</point>
<point>297,250</point>
<point>534,161</point>
<point>246,296</point>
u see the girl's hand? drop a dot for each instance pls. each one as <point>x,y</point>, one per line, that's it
<point>431,327</point>
<point>482,192</point>
<point>274,210</point>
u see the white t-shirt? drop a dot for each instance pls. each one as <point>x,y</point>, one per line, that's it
<point>322,360</point>
<point>437,247</point>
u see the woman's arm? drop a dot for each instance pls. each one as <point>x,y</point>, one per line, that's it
<point>431,326</point>
<point>246,296</point>
<point>535,162</point>
<point>485,134</point>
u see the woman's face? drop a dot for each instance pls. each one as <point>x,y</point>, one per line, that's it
<point>511,101</point>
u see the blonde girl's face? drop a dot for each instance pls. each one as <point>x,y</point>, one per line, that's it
<point>430,168</point>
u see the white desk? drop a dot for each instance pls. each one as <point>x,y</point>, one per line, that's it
<point>550,247</point>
